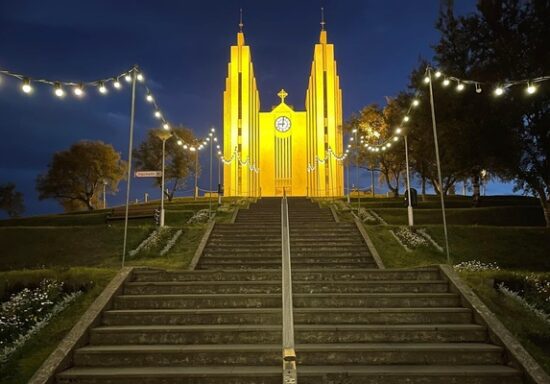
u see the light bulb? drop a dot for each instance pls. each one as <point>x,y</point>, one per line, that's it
<point>446,82</point>
<point>383,148</point>
<point>215,139</point>
<point>213,130</point>
<point>26,87</point>
<point>102,88</point>
<point>530,89</point>
<point>406,118</point>
<point>192,149</point>
<point>140,77</point>
<point>437,74</point>
<point>59,92</point>
<point>180,142</point>
<point>79,90</point>
<point>398,131</point>
<point>116,83</point>
<point>128,78</point>
<point>427,79</point>
<point>218,146</point>
<point>460,87</point>
<point>149,98</point>
<point>185,146</point>
<point>415,103</point>
<point>388,145</point>
<point>158,115</point>
<point>499,91</point>
<point>395,138</point>
<point>220,153</point>
<point>166,126</point>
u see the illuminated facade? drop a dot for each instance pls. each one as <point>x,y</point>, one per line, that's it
<point>267,153</point>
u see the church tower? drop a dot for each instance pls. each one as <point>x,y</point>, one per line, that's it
<point>283,150</point>
<point>241,106</point>
<point>324,123</point>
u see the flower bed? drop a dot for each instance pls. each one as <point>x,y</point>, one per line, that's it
<point>531,290</point>
<point>408,238</point>
<point>366,217</point>
<point>28,311</point>
<point>201,216</point>
<point>476,266</point>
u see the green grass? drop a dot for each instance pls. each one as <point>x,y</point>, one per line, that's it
<point>25,361</point>
<point>499,216</point>
<point>457,201</point>
<point>93,218</point>
<point>511,248</point>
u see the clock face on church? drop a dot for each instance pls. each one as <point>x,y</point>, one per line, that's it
<point>282,124</point>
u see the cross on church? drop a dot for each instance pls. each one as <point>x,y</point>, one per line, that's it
<point>282,94</point>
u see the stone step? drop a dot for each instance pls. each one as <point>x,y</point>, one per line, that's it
<point>193,316</point>
<point>376,300</point>
<point>310,274</point>
<point>385,286</point>
<point>172,375</point>
<point>389,333</point>
<point>251,265</point>
<point>198,301</point>
<point>410,374</point>
<point>359,315</point>
<point>301,316</point>
<point>197,275</point>
<point>166,355</point>
<point>186,334</point>
<point>268,259</point>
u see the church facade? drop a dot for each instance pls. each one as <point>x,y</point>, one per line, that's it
<point>268,153</point>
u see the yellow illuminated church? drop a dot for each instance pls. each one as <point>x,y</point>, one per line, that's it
<point>299,152</point>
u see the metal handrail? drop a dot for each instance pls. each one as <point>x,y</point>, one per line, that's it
<point>289,353</point>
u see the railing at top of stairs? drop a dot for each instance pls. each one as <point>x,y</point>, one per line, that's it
<point>289,352</point>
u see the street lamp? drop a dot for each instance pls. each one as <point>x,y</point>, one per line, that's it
<point>105,182</point>
<point>163,135</point>
<point>211,141</point>
<point>354,131</point>
<point>409,206</point>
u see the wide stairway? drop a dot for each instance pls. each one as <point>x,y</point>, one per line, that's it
<point>222,323</point>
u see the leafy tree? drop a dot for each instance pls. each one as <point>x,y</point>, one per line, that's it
<point>11,201</point>
<point>75,177</point>
<point>179,164</point>
<point>373,124</point>
<point>504,41</point>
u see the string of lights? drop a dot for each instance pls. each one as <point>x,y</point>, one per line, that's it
<point>236,157</point>
<point>59,87</point>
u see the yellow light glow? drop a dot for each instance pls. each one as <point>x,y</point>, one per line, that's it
<point>180,142</point>
<point>406,118</point>
<point>499,91</point>
<point>437,74</point>
<point>531,89</point>
<point>415,103</point>
<point>166,126</point>
<point>398,131</point>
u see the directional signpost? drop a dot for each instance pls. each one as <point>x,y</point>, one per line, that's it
<point>148,174</point>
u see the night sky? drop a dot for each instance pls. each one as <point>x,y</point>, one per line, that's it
<point>183,50</point>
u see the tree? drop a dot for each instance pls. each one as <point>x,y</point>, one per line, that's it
<point>373,124</point>
<point>504,41</point>
<point>179,163</point>
<point>75,177</point>
<point>11,201</point>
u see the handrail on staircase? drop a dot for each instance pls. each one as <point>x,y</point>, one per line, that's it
<point>289,353</point>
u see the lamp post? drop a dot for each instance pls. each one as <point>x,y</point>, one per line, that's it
<point>163,135</point>
<point>219,174</point>
<point>105,194</point>
<point>409,207</point>
<point>211,140</point>
<point>357,170</point>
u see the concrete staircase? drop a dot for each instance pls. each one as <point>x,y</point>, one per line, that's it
<point>353,323</point>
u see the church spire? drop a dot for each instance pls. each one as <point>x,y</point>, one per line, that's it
<point>323,35</point>
<point>240,34</point>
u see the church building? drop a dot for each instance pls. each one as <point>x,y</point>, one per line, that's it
<point>266,153</point>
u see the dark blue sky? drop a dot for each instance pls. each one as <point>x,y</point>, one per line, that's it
<point>183,49</point>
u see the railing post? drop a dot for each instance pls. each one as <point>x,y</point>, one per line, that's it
<point>289,353</point>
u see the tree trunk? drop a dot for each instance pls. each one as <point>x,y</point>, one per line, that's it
<point>546,210</point>
<point>89,205</point>
<point>423,188</point>
<point>476,195</point>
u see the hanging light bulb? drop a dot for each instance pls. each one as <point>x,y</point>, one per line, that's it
<point>212,129</point>
<point>158,115</point>
<point>530,89</point>
<point>166,126</point>
<point>116,83</point>
<point>460,87</point>
<point>26,87</point>
<point>415,103</point>
<point>102,88</point>
<point>201,147</point>
<point>427,79</point>
<point>478,88</point>
<point>219,153</point>
<point>140,77</point>
<point>180,142</point>
<point>406,118</point>
<point>149,98</point>
<point>446,82</point>
<point>395,138</point>
<point>398,131</point>
<point>215,139</point>
<point>185,146</point>
<point>383,148</point>
<point>78,90</point>
<point>498,91</point>
<point>58,90</point>
<point>388,145</point>
<point>128,78</point>
<point>437,74</point>
<point>192,149</point>
<point>218,146</point>
<point>207,139</point>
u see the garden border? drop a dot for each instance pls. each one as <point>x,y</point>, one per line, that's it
<point>368,242</point>
<point>200,249</point>
<point>61,358</point>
